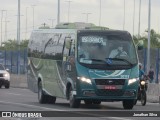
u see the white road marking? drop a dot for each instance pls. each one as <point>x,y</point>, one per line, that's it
<point>118,118</point>
<point>33,106</point>
<point>13,94</point>
<point>148,103</point>
<point>19,94</point>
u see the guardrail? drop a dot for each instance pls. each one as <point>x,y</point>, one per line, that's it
<point>153,92</point>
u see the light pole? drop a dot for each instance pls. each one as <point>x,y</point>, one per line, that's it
<point>149,32</point>
<point>6,23</point>
<point>133,15</point>
<point>100,13</point>
<point>5,26</point>
<point>139,24</point>
<point>33,14</point>
<point>69,2</point>
<point>2,25</point>
<point>86,16</point>
<point>18,37</point>
<point>52,20</point>
<point>26,23</point>
<point>5,36</point>
<point>124,14</point>
<point>58,12</point>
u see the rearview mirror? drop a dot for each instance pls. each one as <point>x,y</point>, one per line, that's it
<point>140,45</point>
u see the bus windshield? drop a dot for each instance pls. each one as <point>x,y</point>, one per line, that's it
<point>104,49</point>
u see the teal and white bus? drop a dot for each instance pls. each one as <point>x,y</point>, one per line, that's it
<point>74,62</point>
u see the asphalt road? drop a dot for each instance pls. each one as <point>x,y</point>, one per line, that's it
<point>17,99</point>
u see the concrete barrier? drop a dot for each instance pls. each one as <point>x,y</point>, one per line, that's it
<point>19,81</point>
<point>153,92</point>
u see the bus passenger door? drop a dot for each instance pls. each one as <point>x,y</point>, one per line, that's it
<point>68,65</point>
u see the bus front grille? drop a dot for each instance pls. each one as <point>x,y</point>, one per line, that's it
<point>110,81</point>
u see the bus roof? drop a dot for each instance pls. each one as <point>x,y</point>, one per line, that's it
<point>80,25</point>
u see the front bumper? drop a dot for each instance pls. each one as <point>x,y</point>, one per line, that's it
<point>112,96</point>
<point>116,92</point>
<point>3,82</point>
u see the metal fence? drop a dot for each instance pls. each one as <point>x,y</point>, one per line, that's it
<point>154,61</point>
<point>10,60</point>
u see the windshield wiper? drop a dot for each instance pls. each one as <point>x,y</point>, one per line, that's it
<point>119,59</point>
<point>98,60</point>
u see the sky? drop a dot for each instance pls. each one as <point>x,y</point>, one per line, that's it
<point>112,14</point>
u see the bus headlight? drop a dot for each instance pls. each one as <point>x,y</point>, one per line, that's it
<point>83,79</point>
<point>130,81</point>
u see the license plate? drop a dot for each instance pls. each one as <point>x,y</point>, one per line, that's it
<point>110,87</point>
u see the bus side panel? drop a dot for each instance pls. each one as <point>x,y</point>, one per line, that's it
<point>53,46</point>
<point>31,80</point>
<point>46,56</point>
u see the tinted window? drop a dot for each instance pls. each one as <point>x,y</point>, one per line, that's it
<point>96,48</point>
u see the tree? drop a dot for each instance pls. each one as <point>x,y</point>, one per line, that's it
<point>155,39</point>
<point>12,45</point>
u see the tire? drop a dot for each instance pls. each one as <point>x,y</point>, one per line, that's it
<point>135,102</point>
<point>97,102</point>
<point>42,98</point>
<point>74,103</point>
<point>88,102</point>
<point>51,99</point>
<point>128,104</point>
<point>0,86</point>
<point>143,98</point>
<point>7,85</point>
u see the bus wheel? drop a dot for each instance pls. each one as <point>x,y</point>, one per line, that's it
<point>97,102</point>
<point>42,98</point>
<point>128,104</point>
<point>74,103</point>
<point>51,99</point>
<point>135,102</point>
<point>88,102</point>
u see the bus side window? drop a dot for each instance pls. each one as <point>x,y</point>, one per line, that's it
<point>65,51</point>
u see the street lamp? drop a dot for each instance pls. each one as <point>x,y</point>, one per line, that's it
<point>68,8</point>
<point>5,27</point>
<point>87,16</point>
<point>26,23</point>
<point>133,15</point>
<point>33,14</point>
<point>58,12</point>
<point>100,14</point>
<point>18,37</point>
<point>52,20</point>
<point>149,32</point>
<point>139,24</point>
<point>6,23</point>
<point>2,24</point>
<point>124,14</point>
